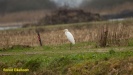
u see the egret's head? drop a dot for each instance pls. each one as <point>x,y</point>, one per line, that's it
<point>65,30</point>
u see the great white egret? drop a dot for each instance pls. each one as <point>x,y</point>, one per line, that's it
<point>69,37</point>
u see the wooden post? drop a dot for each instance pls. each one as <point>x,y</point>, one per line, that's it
<point>39,38</point>
<point>103,36</point>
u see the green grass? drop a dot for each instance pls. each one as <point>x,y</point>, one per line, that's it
<point>84,58</point>
<point>83,49</point>
<point>130,42</point>
<point>60,60</point>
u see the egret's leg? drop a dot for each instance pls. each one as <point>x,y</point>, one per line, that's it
<point>70,46</point>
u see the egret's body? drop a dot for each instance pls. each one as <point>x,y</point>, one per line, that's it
<point>69,37</point>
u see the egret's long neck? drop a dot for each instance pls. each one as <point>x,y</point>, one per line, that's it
<point>66,31</point>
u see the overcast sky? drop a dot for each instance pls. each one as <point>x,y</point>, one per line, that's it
<point>70,3</point>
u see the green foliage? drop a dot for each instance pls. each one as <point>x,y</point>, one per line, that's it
<point>60,64</point>
<point>47,47</point>
<point>59,60</point>
<point>130,42</point>
<point>113,66</point>
<point>88,63</point>
<point>33,64</point>
<point>16,48</point>
<point>111,51</point>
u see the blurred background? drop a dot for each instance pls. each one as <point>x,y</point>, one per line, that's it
<point>32,11</point>
<point>26,13</point>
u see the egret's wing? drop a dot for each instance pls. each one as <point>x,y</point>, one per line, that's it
<point>70,37</point>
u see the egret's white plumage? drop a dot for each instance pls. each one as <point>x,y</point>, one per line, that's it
<point>69,36</point>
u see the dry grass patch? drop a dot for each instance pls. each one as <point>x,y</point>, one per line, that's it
<point>119,34</point>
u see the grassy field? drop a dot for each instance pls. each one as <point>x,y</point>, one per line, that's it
<point>59,60</point>
<point>20,49</point>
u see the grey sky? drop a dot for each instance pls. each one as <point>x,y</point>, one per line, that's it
<point>70,3</point>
